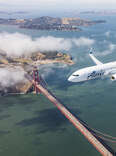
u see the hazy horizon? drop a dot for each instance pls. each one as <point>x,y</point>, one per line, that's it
<point>49,7</point>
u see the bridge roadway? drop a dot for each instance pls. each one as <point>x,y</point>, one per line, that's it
<point>89,136</point>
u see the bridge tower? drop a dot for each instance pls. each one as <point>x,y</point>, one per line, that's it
<point>36,79</point>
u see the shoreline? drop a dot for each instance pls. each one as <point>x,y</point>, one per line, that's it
<point>51,23</point>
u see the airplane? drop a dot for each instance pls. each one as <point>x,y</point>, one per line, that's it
<point>100,70</point>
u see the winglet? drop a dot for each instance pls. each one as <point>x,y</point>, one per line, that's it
<point>91,51</point>
<point>95,60</point>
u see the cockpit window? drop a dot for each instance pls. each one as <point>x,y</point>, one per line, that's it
<point>76,75</point>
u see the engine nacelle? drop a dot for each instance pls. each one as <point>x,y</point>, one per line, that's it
<point>113,77</point>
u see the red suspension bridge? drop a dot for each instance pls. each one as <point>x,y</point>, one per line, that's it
<point>90,134</point>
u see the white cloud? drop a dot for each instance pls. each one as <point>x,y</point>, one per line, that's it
<point>110,49</point>
<point>11,76</point>
<point>47,70</point>
<point>107,34</point>
<point>52,43</point>
<point>19,44</point>
<point>83,41</point>
<point>16,44</point>
<point>103,53</point>
<point>50,69</point>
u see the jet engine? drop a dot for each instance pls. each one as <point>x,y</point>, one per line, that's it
<point>113,77</point>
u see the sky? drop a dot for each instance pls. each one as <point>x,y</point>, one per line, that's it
<point>56,5</point>
<point>60,3</point>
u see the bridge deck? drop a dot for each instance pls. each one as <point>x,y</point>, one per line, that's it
<point>90,137</point>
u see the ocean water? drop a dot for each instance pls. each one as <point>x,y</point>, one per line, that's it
<point>30,125</point>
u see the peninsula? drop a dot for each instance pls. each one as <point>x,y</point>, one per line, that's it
<point>36,58</point>
<point>51,23</point>
<point>25,64</point>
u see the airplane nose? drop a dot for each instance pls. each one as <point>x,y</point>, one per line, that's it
<point>70,78</point>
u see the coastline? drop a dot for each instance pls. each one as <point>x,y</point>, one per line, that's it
<point>26,65</point>
<point>51,23</point>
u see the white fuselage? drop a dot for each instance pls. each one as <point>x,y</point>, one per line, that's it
<point>93,72</point>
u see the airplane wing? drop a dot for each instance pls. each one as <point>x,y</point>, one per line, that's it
<point>95,60</point>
